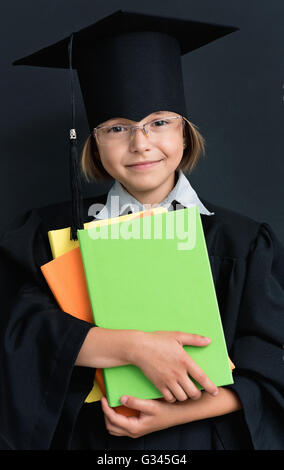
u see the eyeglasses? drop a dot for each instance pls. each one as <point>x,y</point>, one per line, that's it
<point>155,129</point>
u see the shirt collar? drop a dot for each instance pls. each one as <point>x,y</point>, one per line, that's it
<point>120,202</point>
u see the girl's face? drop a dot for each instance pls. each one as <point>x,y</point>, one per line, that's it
<point>165,148</point>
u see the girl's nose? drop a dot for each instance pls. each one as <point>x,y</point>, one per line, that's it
<point>139,140</point>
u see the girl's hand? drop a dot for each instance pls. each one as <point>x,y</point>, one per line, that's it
<point>158,414</point>
<point>161,357</point>
<point>154,415</point>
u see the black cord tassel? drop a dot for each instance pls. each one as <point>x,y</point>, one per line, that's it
<point>75,177</point>
<point>76,189</point>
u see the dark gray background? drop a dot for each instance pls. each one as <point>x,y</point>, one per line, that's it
<point>234,93</point>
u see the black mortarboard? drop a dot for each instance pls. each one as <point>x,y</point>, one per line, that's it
<point>129,65</point>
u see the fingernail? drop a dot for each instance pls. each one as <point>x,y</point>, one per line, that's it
<point>206,339</point>
<point>215,393</point>
<point>123,400</point>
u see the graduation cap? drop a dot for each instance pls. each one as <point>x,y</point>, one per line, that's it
<point>129,65</point>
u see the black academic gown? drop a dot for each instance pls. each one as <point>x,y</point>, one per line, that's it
<point>42,393</point>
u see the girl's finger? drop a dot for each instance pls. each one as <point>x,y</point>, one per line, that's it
<point>190,389</point>
<point>115,419</point>
<point>178,392</point>
<point>114,433</point>
<point>114,430</point>
<point>145,406</point>
<point>197,373</point>
<point>168,396</point>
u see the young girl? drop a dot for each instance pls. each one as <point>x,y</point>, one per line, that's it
<point>140,136</point>
<point>127,159</point>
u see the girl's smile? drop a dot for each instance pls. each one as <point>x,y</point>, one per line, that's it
<point>144,165</point>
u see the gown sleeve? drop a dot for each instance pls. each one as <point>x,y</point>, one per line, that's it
<point>258,347</point>
<point>39,342</point>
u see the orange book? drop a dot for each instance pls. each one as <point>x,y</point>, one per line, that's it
<point>66,279</point>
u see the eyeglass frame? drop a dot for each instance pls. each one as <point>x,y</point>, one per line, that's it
<point>142,127</point>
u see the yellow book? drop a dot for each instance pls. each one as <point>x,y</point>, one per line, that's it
<point>60,242</point>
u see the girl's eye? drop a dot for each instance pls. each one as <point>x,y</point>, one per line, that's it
<point>157,122</point>
<point>114,129</point>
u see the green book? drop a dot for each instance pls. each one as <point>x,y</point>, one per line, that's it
<point>153,273</point>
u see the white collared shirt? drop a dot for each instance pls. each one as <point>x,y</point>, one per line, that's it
<point>119,201</point>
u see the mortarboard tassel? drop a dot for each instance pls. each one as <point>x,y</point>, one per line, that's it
<point>77,221</point>
<point>75,179</point>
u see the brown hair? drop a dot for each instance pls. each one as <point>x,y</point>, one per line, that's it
<point>93,169</point>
